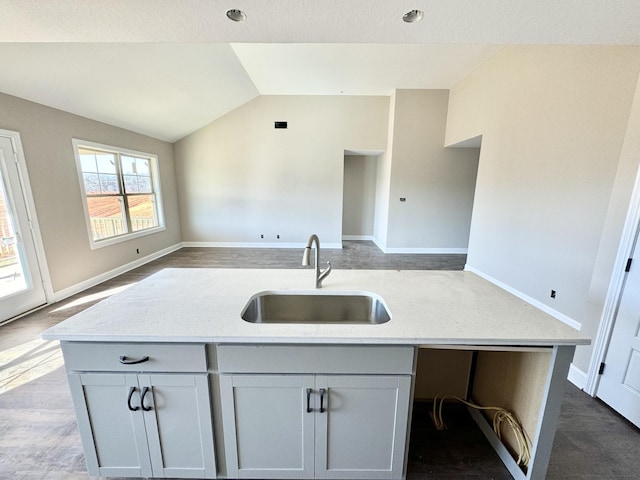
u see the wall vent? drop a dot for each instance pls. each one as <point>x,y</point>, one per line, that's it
<point>280,124</point>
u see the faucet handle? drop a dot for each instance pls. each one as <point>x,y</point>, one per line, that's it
<point>324,273</point>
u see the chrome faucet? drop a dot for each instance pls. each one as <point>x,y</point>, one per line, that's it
<point>320,275</point>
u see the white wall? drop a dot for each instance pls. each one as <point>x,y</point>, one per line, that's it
<point>46,136</point>
<point>437,183</point>
<point>240,178</point>
<point>553,121</point>
<point>358,208</point>
<point>383,182</point>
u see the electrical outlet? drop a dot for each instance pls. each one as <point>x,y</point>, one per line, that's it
<point>261,235</point>
<point>553,294</point>
<point>278,237</point>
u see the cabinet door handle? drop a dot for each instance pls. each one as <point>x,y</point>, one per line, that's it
<point>144,392</point>
<point>309,392</point>
<point>322,392</point>
<point>131,392</point>
<point>132,361</point>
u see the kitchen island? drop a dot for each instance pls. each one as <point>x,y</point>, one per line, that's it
<point>169,381</point>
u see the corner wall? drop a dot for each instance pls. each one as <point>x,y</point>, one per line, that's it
<point>553,121</point>
<point>437,183</point>
<point>46,135</point>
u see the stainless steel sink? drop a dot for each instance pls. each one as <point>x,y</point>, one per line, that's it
<point>316,307</point>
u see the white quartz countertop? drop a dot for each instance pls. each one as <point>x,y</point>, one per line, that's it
<point>427,308</point>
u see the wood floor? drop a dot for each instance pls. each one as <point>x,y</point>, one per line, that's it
<point>39,437</point>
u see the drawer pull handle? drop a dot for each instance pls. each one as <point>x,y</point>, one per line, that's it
<point>144,392</point>
<point>132,361</point>
<point>309,391</point>
<point>132,408</point>
<point>322,392</point>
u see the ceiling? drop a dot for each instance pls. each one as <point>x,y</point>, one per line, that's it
<point>166,68</point>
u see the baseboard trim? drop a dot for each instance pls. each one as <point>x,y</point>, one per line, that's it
<point>545,308</point>
<point>103,277</point>
<point>358,237</point>
<point>378,243</point>
<point>427,251</point>
<point>255,245</point>
<point>577,377</point>
<point>411,250</point>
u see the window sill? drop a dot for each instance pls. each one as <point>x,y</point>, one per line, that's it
<point>97,244</point>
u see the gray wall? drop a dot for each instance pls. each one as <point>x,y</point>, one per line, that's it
<point>358,209</point>
<point>553,121</point>
<point>240,178</point>
<point>46,136</point>
<point>437,183</point>
<point>383,182</point>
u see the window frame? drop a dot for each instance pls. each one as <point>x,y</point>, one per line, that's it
<point>154,168</point>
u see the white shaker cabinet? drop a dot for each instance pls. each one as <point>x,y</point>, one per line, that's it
<point>268,431</point>
<point>142,424</point>
<point>362,432</point>
<point>324,426</point>
<point>114,437</point>
<point>315,425</point>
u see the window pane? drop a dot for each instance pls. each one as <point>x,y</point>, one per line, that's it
<point>136,173</point>
<point>142,212</point>
<point>91,183</point>
<point>106,215</point>
<point>144,184</point>
<point>109,184</point>
<point>128,165</point>
<point>142,166</point>
<point>106,162</point>
<point>88,162</point>
<point>131,184</point>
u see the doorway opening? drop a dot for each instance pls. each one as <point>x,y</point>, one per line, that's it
<point>359,194</point>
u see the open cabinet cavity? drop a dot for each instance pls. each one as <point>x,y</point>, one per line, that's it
<point>528,382</point>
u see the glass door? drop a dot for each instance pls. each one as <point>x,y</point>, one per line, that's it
<point>21,286</point>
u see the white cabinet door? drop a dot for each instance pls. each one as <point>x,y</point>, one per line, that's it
<point>177,416</point>
<point>146,425</point>
<point>268,425</point>
<point>307,426</point>
<point>361,431</point>
<point>111,426</point>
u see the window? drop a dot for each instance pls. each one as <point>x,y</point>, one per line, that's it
<point>121,192</point>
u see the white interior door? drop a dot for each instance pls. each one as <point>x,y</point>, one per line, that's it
<point>620,382</point>
<point>21,285</point>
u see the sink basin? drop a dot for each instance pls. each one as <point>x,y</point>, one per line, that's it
<point>316,307</point>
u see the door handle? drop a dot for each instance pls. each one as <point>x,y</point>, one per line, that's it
<point>132,361</point>
<point>144,392</point>
<point>322,392</point>
<point>309,392</point>
<point>131,392</point>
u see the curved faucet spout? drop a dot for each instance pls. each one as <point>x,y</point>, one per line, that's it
<point>319,275</point>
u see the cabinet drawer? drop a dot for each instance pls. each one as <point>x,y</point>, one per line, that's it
<point>106,357</point>
<point>315,359</point>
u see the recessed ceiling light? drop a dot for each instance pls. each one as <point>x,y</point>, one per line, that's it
<point>413,16</point>
<point>236,15</point>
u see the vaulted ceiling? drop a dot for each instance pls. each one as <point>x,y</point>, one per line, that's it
<point>166,68</point>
